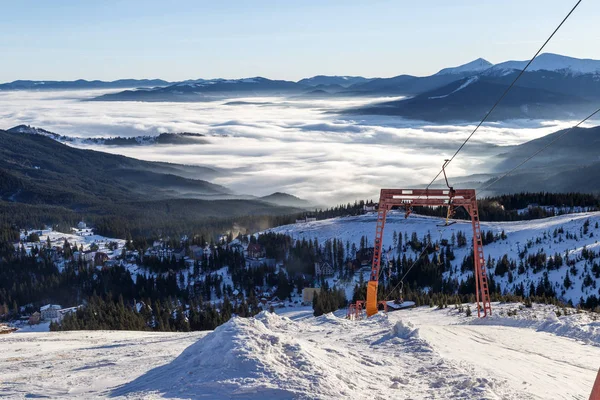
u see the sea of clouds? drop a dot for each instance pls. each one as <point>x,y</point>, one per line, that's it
<point>298,146</point>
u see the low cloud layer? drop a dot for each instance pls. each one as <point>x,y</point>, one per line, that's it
<point>277,144</point>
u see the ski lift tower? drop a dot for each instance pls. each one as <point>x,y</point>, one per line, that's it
<point>451,198</point>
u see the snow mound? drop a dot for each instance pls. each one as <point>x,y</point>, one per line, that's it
<point>405,330</point>
<point>588,333</point>
<point>542,318</point>
<point>257,357</point>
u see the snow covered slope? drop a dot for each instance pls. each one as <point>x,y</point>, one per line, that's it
<point>423,353</point>
<point>530,237</point>
<point>552,62</point>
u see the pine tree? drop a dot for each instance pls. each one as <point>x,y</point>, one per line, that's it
<point>567,282</point>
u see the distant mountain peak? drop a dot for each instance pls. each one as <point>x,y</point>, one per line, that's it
<point>32,130</point>
<point>285,199</point>
<point>551,62</point>
<point>477,65</point>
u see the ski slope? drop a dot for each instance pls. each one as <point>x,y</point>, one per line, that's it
<point>534,236</point>
<point>423,353</point>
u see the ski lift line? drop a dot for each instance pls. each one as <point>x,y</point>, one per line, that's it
<point>505,92</point>
<point>483,188</point>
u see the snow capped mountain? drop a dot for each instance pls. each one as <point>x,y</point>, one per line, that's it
<point>474,66</point>
<point>543,62</point>
<point>551,62</point>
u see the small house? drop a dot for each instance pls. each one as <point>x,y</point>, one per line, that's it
<point>100,258</point>
<point>50,311</point>
<point>255,251</point>
<point>88,255</point>
<point>364,256</point>
<point>65,311</point>
<point>323,269</point>
<point>197,252</point>
<point>308,294</point>
<point>34,318</point>
<point>179,253</point>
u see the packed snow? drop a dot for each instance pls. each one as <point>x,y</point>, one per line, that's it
<point>421,353</point>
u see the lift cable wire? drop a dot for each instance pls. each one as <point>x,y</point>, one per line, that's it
<point>484,187</point>
<point>486,117</point>
<point>505,92</point>
<point>407,271</point>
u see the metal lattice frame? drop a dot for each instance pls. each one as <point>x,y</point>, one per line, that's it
<point>451,198</point>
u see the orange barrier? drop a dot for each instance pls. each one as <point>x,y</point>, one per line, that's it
<point>596,389</point>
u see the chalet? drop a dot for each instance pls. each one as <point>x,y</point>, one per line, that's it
<point>65,311</point>
<point>100,258</point>
<point>255,251</point>
<point>364,256</point>
<point>179,253</point>
<point>34,318</point>
<point>308,294</point>
<point>276,302</point>
<point>305,220</point>
<point>164,253</point>
<point>372,207</point>
<point>88,255</point>
<point>197,252</point>
<point>84,232</point>
<point>50,311</point>
<point>323,269</point>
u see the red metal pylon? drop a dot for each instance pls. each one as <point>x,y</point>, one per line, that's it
<point>595,395</point>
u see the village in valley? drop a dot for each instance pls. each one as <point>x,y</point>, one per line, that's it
<point>191,263</point>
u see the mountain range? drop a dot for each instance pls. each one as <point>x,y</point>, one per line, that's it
<point>81,84</point>
<point>553,86</point>
<point>44,180</point>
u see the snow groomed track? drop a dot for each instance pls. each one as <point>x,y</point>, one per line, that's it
<point>422,353</point>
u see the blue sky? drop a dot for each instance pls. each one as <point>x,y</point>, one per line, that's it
<point>179,40</point>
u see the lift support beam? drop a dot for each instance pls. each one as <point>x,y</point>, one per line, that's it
<point>408,198</point>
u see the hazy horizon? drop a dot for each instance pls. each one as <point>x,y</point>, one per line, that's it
<point>207,40</point>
